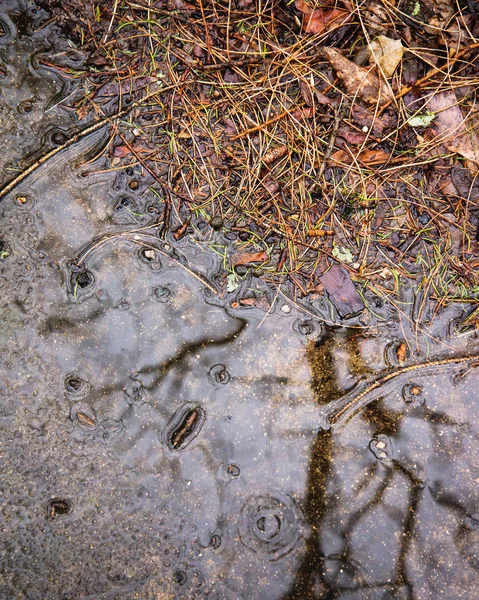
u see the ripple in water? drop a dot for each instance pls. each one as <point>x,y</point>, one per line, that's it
<point>270,526</point>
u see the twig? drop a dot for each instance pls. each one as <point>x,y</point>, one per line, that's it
<point>77,137</point>
<point>354,402</point>
<point>263,125</point>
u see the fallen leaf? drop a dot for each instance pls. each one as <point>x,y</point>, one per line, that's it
<point>83,111</point>
<point>261,303</point>
<point>358,81</point>
<point>377,124</point>
<point>366,157</point>
<point>114,88</point>
<point>244,258</point>
<point>124,150</point>
<point>323,99</point>
<point>231,283</point>
<point>341,291</point>
<point>386,53</point>
<point>303,113</point>
<point>352,137</point>
<point>467,186</point>
<point>454,133</point>
<point>342,254</point>
<point>306,92</point>
<point>317,20</point>
<point>422,120</point>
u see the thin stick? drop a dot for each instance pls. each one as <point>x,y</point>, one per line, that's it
<point>262,125</point>
<point>392,375</point>
<point>76,138</point>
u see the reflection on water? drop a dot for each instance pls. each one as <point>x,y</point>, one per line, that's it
<point>162,441</point>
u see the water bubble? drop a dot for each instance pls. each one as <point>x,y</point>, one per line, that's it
<point>124,305</point>
<point>270,526</point>
<point>134,184</point>
<point>216,223</point>
<point>412,392</point>
<point>161,294</point>
<point>381,447</point>
<point>150,258</point>
<point>24,201</point>
<point>25,107</point>
<point>180,577</point>
<point>307,328</point>
<point>106,433</point>
<point>75,385</point>
<point>396,353</point>
<point>136,393</point>
<point>215,542</point>
<point>218,375</point>
<point>233,471</point>
<point>124,210</point>
<point>58,137</point>
<point>84,280</point>
<point>58,508</point>
<point>241,270</point>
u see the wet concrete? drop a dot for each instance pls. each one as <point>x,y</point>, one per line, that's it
<point>162,441</point>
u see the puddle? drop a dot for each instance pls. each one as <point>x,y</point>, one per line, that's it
<point>159,440</point>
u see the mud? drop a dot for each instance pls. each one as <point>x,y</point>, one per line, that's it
<point>162,441</point>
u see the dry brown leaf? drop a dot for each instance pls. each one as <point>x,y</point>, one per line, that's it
<point>358,81</point>
<point>366,157</point>
<point>244,258</point>
<point>352,137</point>
<point>261,303</point>
<point>455,134</point>
<point>319,20</point>
<point>378,125</point>
<point>441,12</point>
<point>386,53</point>
<point>83,111</point>
<point>302,114</point>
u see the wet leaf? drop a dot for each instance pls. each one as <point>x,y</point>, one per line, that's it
<point>454,133</point>
<point>358,81</point>
<point>303,113</point>
<point>467,187</point>
<point>386,53</point>
<point>352,137</point>
<point>320,20</point>
<point>422,120</point>
<point>231,283</point>
<point>342,254</point>
<point>378,124</point>
<point>366,157</point>
<point>244,258</point>
<point>341,291</point>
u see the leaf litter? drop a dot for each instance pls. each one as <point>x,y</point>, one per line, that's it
<point>286,119</point>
